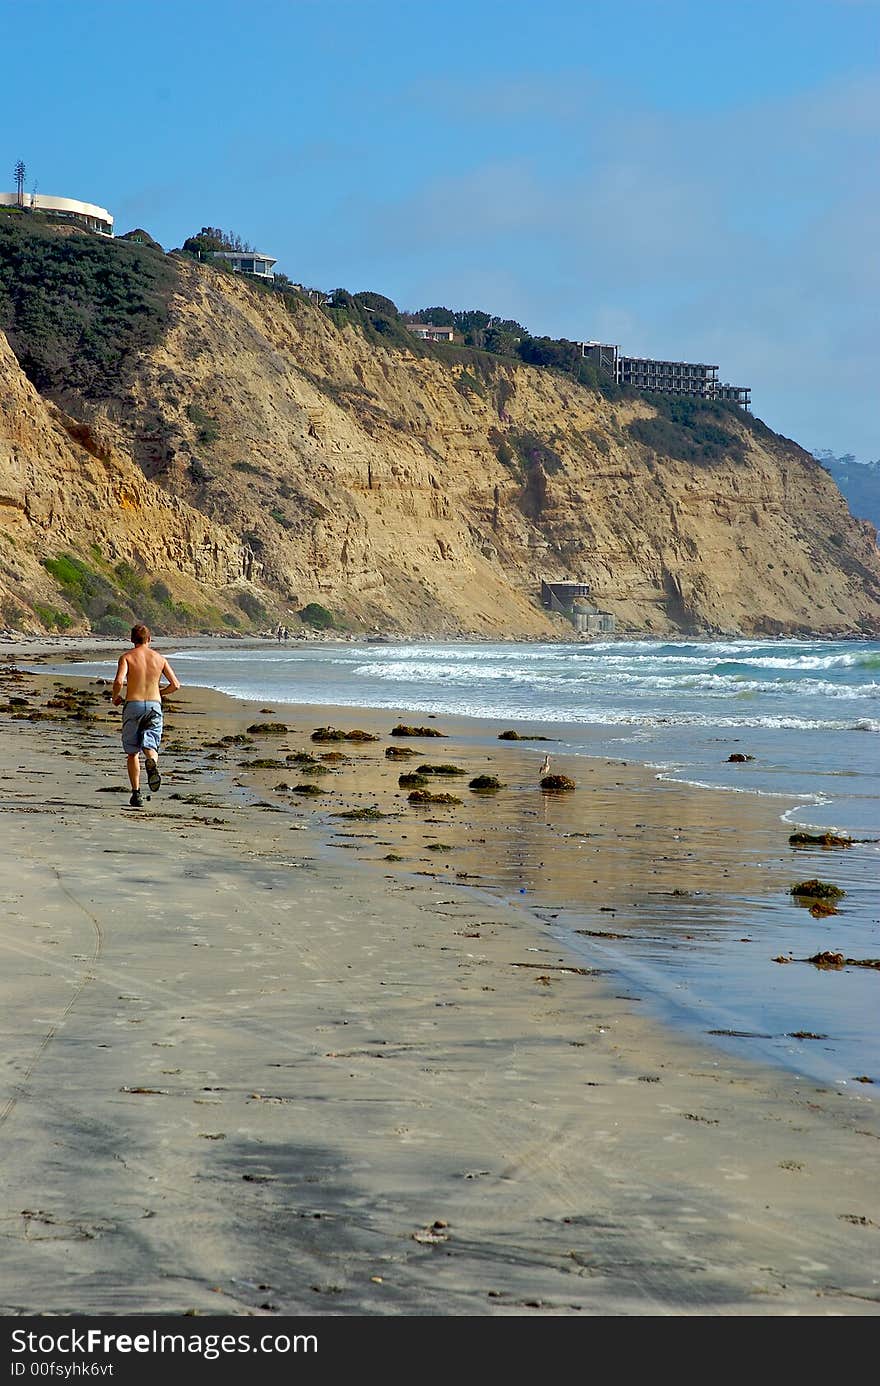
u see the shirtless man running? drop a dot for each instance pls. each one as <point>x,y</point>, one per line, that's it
<point>139,671</point>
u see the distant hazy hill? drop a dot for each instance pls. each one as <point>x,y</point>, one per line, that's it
<point>859,482</point>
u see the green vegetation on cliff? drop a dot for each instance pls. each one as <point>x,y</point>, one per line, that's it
<point>77,308</point>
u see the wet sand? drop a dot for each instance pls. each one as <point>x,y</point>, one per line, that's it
<point>253,1067</point>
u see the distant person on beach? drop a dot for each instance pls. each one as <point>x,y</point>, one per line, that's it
<point>139,672</point>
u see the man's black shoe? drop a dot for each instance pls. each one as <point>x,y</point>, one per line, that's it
<point>136,799</point>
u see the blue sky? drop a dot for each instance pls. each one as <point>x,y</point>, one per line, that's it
<point>692,180</point>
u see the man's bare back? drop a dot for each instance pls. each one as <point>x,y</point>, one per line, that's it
<point>140,670</point>
<point>138,684</point>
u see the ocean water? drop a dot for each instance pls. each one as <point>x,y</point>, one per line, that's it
<point>807,712</point>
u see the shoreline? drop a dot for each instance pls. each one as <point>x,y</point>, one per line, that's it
<point>246,1076</point>
<point>669,945</point>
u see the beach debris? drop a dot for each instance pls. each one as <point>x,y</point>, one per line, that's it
<point>742,1034</point>
<point>485,784</point>
<point>444,847</point>
<point>601,933</point>
<point>402,730</point>
<point>268,729</point>
<point>334,757</point>
<point>521,736</point>
<point>147,1092</point>
<point>554,784</point>
<point>430,769</point>
<point>837,960</point>
<point>423,796</point>
<point>392,856</point>
<point>816,890</point>
<point>557,967</point>
<point>399,752</point>
<point>804,1035</point>
<point>819,840</point>
<point>306,789</point>
<point>821,909</point>
<point>738,758</point>
<point>262,763</point>
<point>834,961</point>
<point>412,781</point>
<point>436,1232</point>
<point>863,1078</point>
<point>363,815</point>
<point>334,734</point>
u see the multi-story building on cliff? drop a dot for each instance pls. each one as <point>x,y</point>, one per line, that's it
<point>248,262</point>
<point>691,378</point>
<point>63,208</point>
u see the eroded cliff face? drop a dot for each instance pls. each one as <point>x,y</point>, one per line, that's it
<point>410,494</point>
<point>69,485</point>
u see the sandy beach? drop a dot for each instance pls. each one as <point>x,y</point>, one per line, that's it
<point>261,1063</point>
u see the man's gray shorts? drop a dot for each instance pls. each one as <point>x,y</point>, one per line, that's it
<point>141,726</point>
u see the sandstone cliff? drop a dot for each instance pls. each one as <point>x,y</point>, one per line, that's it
<point>64,485</point>
<point>257,446</point>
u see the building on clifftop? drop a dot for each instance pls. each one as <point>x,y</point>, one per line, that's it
<point>693,379</point>
<point>248,262</point>
<point>85,214</point>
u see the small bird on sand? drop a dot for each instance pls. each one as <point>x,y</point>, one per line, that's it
<point>545,766</point>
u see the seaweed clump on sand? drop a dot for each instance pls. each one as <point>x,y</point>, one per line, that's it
<point>423,796</point>
<point>412,781</point>
<point>840,960</point>
<point>307,789</point>
<point>556,784</point>
<point>334,734</point>
<point>830,960</point>
<point>429,769</point>
<point>262,763</point>
<point>267,729</point>
<point>363,815</point>
<point>820,897</point>
<point>817,890</point>
<point>402,730</point>
<point>520,736</point>
<point>485,784</point>
<point>819,840</point>
<point>399,752</point>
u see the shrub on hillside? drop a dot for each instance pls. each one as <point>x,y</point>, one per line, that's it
<point>78,309</point>
<point>317,616</point>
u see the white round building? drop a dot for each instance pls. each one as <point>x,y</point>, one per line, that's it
<point>65,208</point>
